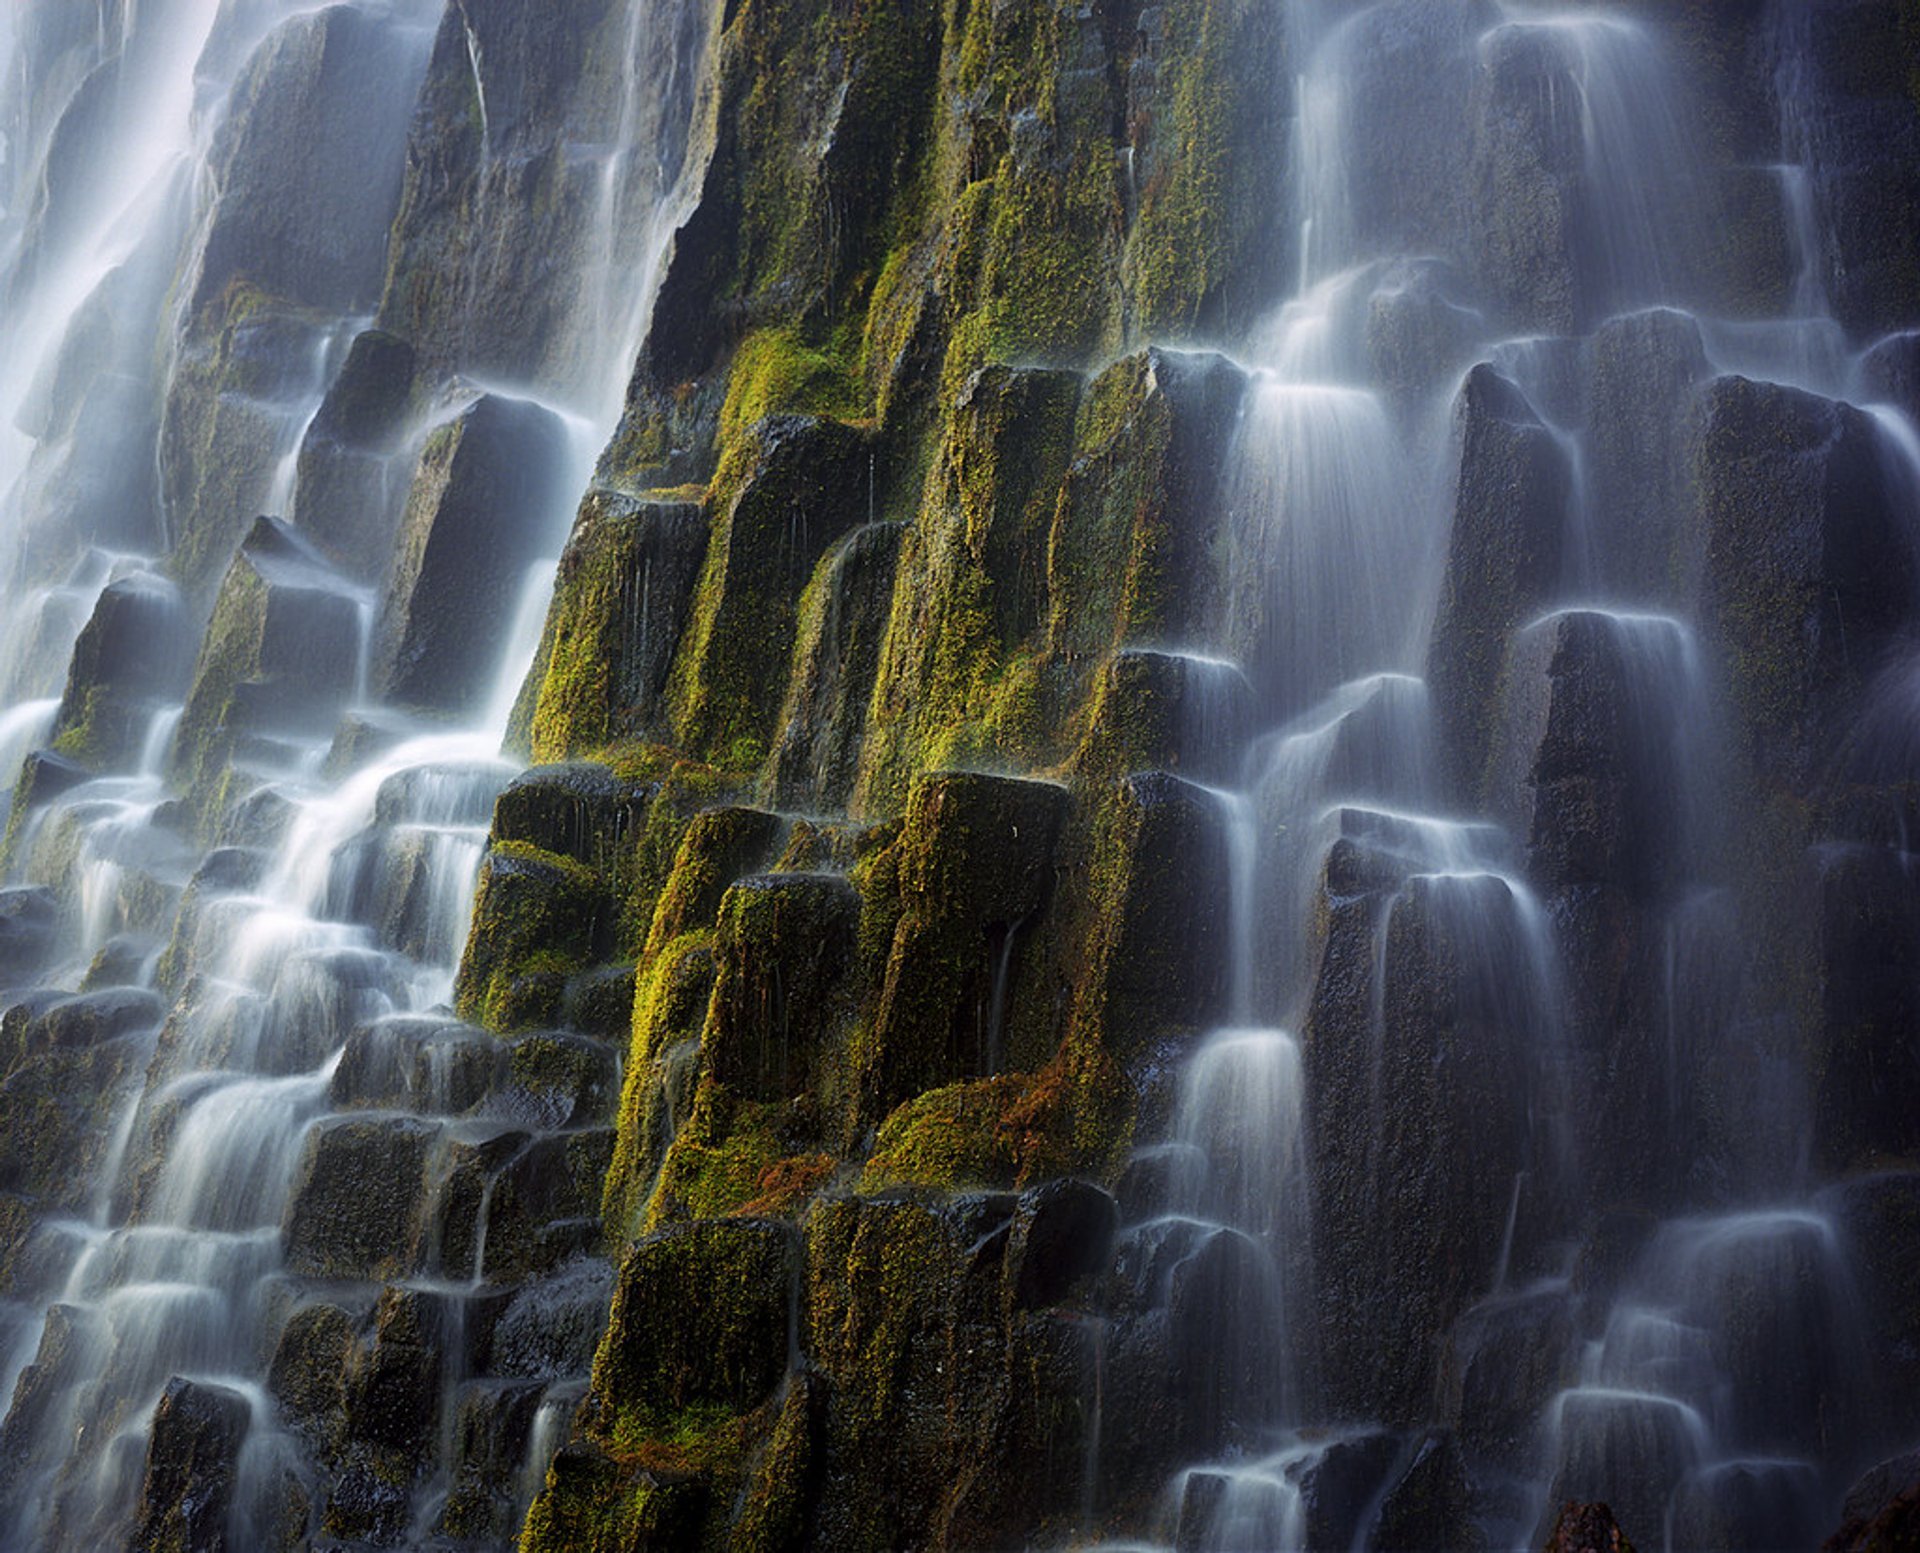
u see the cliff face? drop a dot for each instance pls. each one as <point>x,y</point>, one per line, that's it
<point>840,1115</point>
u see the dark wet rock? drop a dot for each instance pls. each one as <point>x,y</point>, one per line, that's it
<point>1162,711</point>
<point>783,945</point>
<point>1506,1359</point>
<point>1062,1234</point>
<point>1527,159</point>
<point>621,601</point>
<point>780,1495</point>
<point>1860,134</point>
<point>492,1421</point>
<point>1750,1504</point>
<point>557,1079</point>
<point>841,625</point>
<point>1882,1510</point>
<point>1409,65</point>
<point>551,1327</point>
<point>600,1002</point>
<point>45,776</point>
<point>280,652</point>
<point>536,917</point>
<point>134,649</point>
<point>308,1372</point>
<point>1431,1503</point>
<point>1865,1063</point>
<point>477,516</point>
<point>1633,1448</point>
<point>545,1204</point>
<point>1503,561</point>
<point>1420,1124</point>
<point>1890,373</point>
<point>1419,332</point>
<point>307,160</point>
<point>1641,373</point>
<point>497,244</point>
<point>1590,759</point>
<point>62,1088</point>
<point>1586,1528</point>
<point>1878,1220</point>
<point>578,810</point>
<point>357,1197</point>
<point>729,1350</point>
<point>1798,559</point>
<point>192,1460</point>
<point>393,1384</point>
<point>29,916</point>
<point>1158,959</point>
<point>1340,1485</point>
<point>348,490</point>
<point>423,1064</point>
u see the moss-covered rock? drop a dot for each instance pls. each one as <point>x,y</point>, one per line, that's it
<point>973,862</point>
<point>536,914</point>
<point>621,600</point>
<point>730,1284</point>
<point>782,947</point>
<point>133,653</point>
<point>717,847</point>
<point>792,487</point>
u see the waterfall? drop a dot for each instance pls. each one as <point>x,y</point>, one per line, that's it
<point>342,916</point>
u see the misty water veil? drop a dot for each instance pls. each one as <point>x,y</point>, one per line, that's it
<point>836,774</point>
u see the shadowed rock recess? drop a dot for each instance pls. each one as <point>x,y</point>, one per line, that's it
<point>859,774</point>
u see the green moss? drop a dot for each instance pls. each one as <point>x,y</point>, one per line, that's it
<point>716,847</point>
<point>736,1156</point>
<point>536,915</point>
<point>774,372</point>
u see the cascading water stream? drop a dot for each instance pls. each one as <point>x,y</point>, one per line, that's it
<point>1340,535</point>
<point>292,988</point>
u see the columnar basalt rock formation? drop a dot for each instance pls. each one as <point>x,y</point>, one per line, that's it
<point>867,775</point>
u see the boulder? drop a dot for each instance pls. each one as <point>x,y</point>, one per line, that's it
<point>1159,958</point>
<point>347,490</point>
<point>578,810</point>
<point>1155,710</point>
<point>1586,1528</point>
<point>1422,1036</point>
<point>307,160</point>
<point>478,515</point>
<point>545,1205</point>
<point>1642,370</point>
<point>536,915</point>
<point>719,846</point>
<point>133,652</point>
